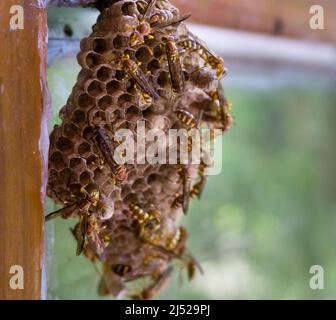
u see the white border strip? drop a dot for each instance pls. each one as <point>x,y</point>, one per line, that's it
<point>252,46</point>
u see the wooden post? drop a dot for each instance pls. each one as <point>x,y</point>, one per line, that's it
<point>23,145</point>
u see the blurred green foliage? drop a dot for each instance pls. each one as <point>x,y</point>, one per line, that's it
<point>267,218</point>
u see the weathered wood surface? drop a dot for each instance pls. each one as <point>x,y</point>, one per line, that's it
<point>23,97</point>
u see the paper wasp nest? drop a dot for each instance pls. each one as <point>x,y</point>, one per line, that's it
<point>129,214</point>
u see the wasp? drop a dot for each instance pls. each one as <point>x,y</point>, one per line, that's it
<point>102,289</point>
<point>173,241</point>
<point>88,225</point>
<point>133,70</point>
<point>110,283</point>
<point>155,287</point>
<point>186,117</point>
<point>197,189</point>
<point>225,109</point>
<point>149,24</point>
<point>222,108</point>
<point>174,64</point>
<point>177,202</point>
<point>76,232</point>
<point>153,223</point>
<point>102,141</point>
<point>146,220</point>
<point>201,169</point>
<point>163,20</point>
<point>210,58</point>
<point>192,266</point>
<point>154,257</point>
<point>146,225</point>
<point>86,232</point>
<point>87,250</point>
<point>140,79</point>
<point>143,29</point>
<point>121,269</point>
<point>161,17</point>
<point>191,138</point>
<point>92,195</point>
<point>177,244</point>
<point>183,199</point>
<point>188,260</point>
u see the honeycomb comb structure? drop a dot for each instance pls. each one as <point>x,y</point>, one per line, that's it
<point>139,227</point>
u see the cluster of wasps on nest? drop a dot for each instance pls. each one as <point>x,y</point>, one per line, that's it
<point>139,63</point>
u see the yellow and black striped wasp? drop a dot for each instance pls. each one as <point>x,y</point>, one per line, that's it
<point>209,57</point>
<point>174,64</point>
<point>104,145</point>
<point>88,225</point>
<point>134,71</point>
<point>158,284</point>
<point>150,23</point>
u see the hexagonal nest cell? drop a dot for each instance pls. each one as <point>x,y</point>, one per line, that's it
<point>139,64</point>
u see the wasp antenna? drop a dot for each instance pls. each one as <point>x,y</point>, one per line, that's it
<point>186,16</point>
<point>53,215</point>
<point>200,117</point>
<point>185,207</point>
<point>57,213</point>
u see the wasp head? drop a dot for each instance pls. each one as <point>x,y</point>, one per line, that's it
<point>92,193</point>
<point>136,39</point>
<point>154,19</point>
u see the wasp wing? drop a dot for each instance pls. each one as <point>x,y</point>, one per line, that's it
<point>161,25</point>
<point>193,264</point>
<point>140,79</point>
<point>186,191</point>
<point>226,117</point>
<point>97,246</point>
<point>149,9</point>
<point>175,69</point>
<point>81,235</point>
<point>202,184</point>
<point>61,212</point>
<point>103,145</point>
